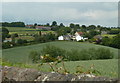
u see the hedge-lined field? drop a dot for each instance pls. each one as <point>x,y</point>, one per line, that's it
<point>20,54</point>
<point>23,30</point>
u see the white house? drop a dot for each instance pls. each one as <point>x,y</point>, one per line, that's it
<point>78,38</point>
<point>60,38</point>
<point>85,38</point>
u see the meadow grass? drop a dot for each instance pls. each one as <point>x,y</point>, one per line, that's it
<point>23,30</point>
<point>20,54</point>
<point>108,35</point>
<point>107,68</point>
<point>13,29</point>
<point>28,38</point>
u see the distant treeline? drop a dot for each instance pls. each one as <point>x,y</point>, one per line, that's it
<point>13,24</point>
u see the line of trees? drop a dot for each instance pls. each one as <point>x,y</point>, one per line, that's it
<point>112,42</point>
<point>13,24</point>
<point>5,33</point>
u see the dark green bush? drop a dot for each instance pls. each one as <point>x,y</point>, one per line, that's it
<point>112,42</point>
<point>103,53</point>
<point>81,40</point>
<point>21,41</point>
<point>73,55</point>
<point>89,54</point>
<point>44,38</point>
<point>53,51</point>
<point>34,56</point>
<point>6,45</point>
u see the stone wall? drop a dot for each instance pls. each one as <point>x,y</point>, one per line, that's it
<point>20,74</point>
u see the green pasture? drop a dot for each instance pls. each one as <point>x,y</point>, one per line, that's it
<point>17,29</point>
<point>28,38</point>
<point>107,68</point>
<point>24,30</point>
<point>108,35</point>
<point>20,54</point>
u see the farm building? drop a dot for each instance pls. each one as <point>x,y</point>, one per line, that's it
<point>64,37</point>
<point>29,26</point>
<point>78,38</point>
<point>43,28</point>
<point>78,33</point>
<point>60,38</point>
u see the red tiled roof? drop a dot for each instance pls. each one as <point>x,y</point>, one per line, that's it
<point>39,26</point>
<point>80,33</point>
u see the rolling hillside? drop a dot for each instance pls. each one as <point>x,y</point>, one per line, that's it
<point>20,54</point>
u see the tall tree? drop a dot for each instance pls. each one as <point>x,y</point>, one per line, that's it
<point>13,24</point>
<point>47,24</point>
<point>72,25</point>
<point>92,27</point>
<point>54,23</point>
<point>83,26</point>
<point>61,25</point>
<point>5,33</point>
<point>35,24</point>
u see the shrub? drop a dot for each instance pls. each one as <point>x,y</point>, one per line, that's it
<point>6,45</point>
<point>112,42</point>
<point>53,51</point>
<point>115,42</point>
<point>21,41</point>
<point>81,40</point>
<point>106,41</point>
<point>103,53</point>
<point>73,55</point>
<point>92,40</point>
<point>40,39</point>
<point>34,56</point>
<point>44,38</point>
<point>84,55</point>
<point>89,54</point>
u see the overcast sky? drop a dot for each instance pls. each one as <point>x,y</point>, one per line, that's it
<point>98,13</point>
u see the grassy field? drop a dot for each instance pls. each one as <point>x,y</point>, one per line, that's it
<point>18,57</point>
<point>108,68</point>
<point>13,29</point>
<point>25,33</point>
<point>20,54</point>
<point>108,35</point>
<point>23,30</point>
<point>28,38</point>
